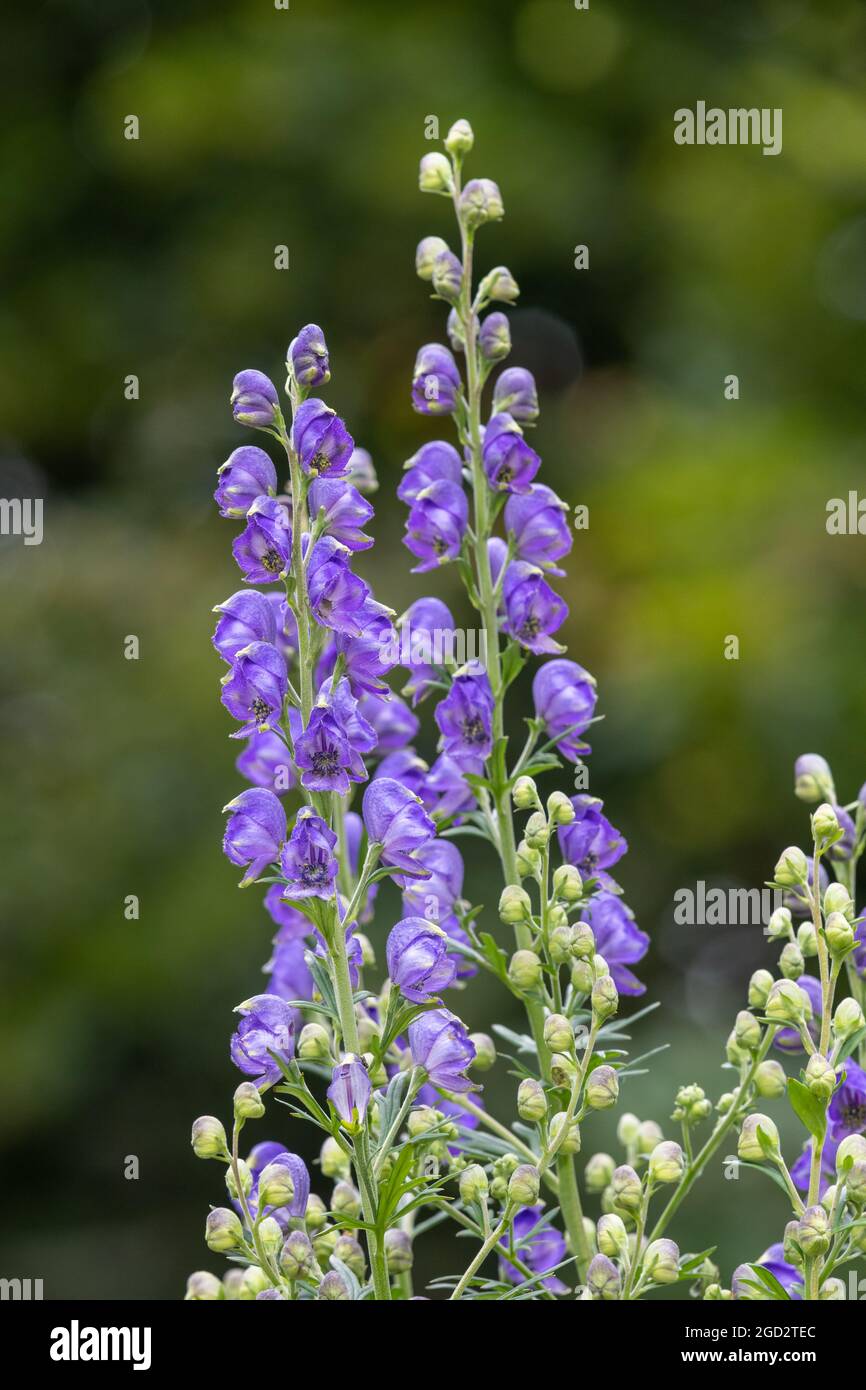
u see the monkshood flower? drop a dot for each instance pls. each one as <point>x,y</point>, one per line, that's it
<point>435,381</point>
<point>813,779</point>
<point>846,1115</point>
<point>442,889</point>
<point>341,511</point>
<point>286,640</point>
<point>289,973</point>
<point>618,939</point>
<point>267,1025</point>
<point>366,658</point>
<point>255,831</point>
<point>350,1091</point>
<point>397,821</point>
<point>293,924</point>
<point>247,473</point>
<point>349,712</point>
<point>773,1260</point>
<point>337,596</point>
<point>465,716</point>
<point>425,628</point>
<point>844,848</point>
<point>509,462</point>
<point>537,521</point>
<point>392,719</point>
<point>405,767</point>
<point>323,753</point>
<point>321,440</point>
<point>790,1039</point>
<point>418,963</point>
<point>307,358</point>
<point>497,556</point>
<point>266,762</point>
<point>255,689</point>
<point>254,399</point>
<point>308,861</point>
<point>447,793</point>
<point>590,842</point>
<point>494,338</point>
<point>441,1045</point>
<point>361,471</point>
<point>858,955</point>
<point>244,618</point>
<point>436,525</point>
<point>532,610</point>
<point>565,696</point>
<point>263,549</point>
<point>537,1245</point>
<point>269,1152</point>
<point>447,275</point>
<point>433,463</point>
<point>515,393</point>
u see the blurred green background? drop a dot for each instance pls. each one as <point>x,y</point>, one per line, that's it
<point>262,127</point>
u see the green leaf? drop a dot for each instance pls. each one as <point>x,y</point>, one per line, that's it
<point>770,1283</point>
<point>808,1110</point>
<point>772,1173</point>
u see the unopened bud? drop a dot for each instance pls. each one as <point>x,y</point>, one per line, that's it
<point>648,1136</point>
<point>345,1200</point>
<point>558,1033</point>
<point>667,1162</point>
<point>223,1230</point>
<point>598,1172</point>
<point>398,1251</point>
<point>611,1235</point>
<point>780,924</point>
<point>460,138</point>
<point>838,899</point>
<point>333,1288</point>
<point>839,933</point>
<point>792,868</point>
<point>628,1129</point>
<point>807,940</point>
<point>523,1185</point>
<point>847,1019</point>
<point>604,998</point>
<point>559,944</point>
<point>474,1184</point>
<point>423,1119</point>
<point>602,1279</point>
<point>203,1287</point>
<point>571,1143</point>
<point>537,832</point>
<point>349,1252</point>
<point>813,778</point>
<point>514,905</point>
<point>499,284</point>
<point>434,174</point>
<point>333,1160</point>
<point>787,1002</point>
<point>602,1088</point>
<point>791,961</point>
<point>661,1261</point>
<point>852,1147</point>
<point>749,1146</point>
<point>428,249</point>
<point>770,1080</point>
<point>296,1256</point>
<point>559,809</point>
<point>524,970</point>
<point>531,1100</point>
<point>820,1077</point>
<point>276,1188</point>
<point>209,1137</point>
<point>747,1030</point>
<point>813,1231</point>
<point>582,976</point>
<point>528,861</point>
<point>825,825</point>
<point>759,989</point>
<point>524,794</point>
<point>485,1051</point>
<point>626,1188</point>
<point>314,1043</point>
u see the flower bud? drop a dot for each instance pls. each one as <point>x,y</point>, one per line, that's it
<point>582,941</point>
<point>725,1101</point>
<point>296,1256</point>
<point>604,998</point>
<point>568,886</point>
<point>839,934</point>
<point>524,794</point>
<point>770,1080</point>
<point>790,1244</point>
<point>223,1230</point>
<point>434,174</point>
<point>611,1236</point>
<point>494,344</point>
<point>787,1002</point>
<point>825,825</point>
<point>245,1176</point>
<point>853,1146</point>
<point>537,832</point>
<point>307,359</point>
<point>398,1251</point>
<point>667,1162</point>
<point>316,1214</point>
<point>691,1105</point>
<point>334,1162</point>
<point>345,1200</point>
<point>524,970</point>
<point>460,138</point>
<point>598,1172</point>
<point>661,1261</point>
<point>602,1279</point>
<point>847,1019</point>
<point>648,1136</point>
<point>813,778</point>
<point>276,1188</point>
<point>563,1069</point>
<point>333,1288</point>
<point>423,1119</point>
<point>531,1100</point>
<point>254,400</point>
<point>314,1043</point>
<point>832,1291</point>
<point>523,1185</point>
<point>254,1282</point>
<point>813,1231</point>
<point>514,905</point>
<point>528,861</point>
<point>571,1143</point>
<point>749,1145</point>
<point>627,1190</point>
<point>759,989</point>
<point>791,961</point>
<point>448,276</point>
<point>485,1051</point>
<point>323,1246</point>
<point>714,1293</point>
<point>855,1183</point>
<point>474,1185</point>
<point>806,939</point>
<point>203,1287</point>
<point>602,1088</point>
<point>582,976</point>
<point>838,899</point>
<point>558,1033</point>
<point>559,809</point>
<point>209,1137</point>
<point>780,924</point>
<point>559,944</point>
<point>427,250</point>
<point>480,202</point>
<point>628,1129</point>
<point>820,1077</point>
<point>747,1030</point>
<point>498,284</point>
<point>792,868</point>
<point>348,1251</point>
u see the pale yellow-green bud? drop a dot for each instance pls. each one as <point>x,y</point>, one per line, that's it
<point>271,1235</point>
<point>209,1137</point>
<point>296,1256</point>
<point>807,940</point>
<point>820,1077</point>
<point>499,284</point>
<point>725,1101</point>
<point>582,941</point>
<point>790,1244</point>
<point>571,1143</point>
<point>348,1251</point>
<point>832,1291</point>
<point>626,1188</point>
<point>770,1080</point>
<point>557,916</point>
<point>248,1103</point>
<point>602,1088</point>
<point>434,174</point>
<point>791,961</point>
<point>558,1033</point>
<point>524,970</point>
<point>855,1183</point>
<point>847,1019</point>
<point>460,138</point>
<point>759,989</point>
<point>611,1236</point>
<point>314,1043</point>
<point>604,998</point>
<point>255,1281</point>
<point>582,976</point>
<point>523,1185</point>
<point>559,944</point>
<point>276,1188</point>
<point>333,1161</point>
<point>733,1051</point>
<point>485,1051</point>
<point>792,868</point>
<point>474,1184</point>
<point>599,966</point>
<point>598,1172</point>
<point>223,1230</point>
<point>233,1284</point>
<point>398,1251</point>
<point>345,1200</point>
<point>559,809</point>
<point>838,899</point>
<point>691,1105</point>
<point>825,825</point>
<point>567,884</point>
<point>514,905</point>
<point>528,861</point>
<point>787,1002</point>
<point>828,1201</point>
<point>246,1178</point>
<point>427,250</point>
<point>780,924</point>
<point>316,1214</point>
<point>661,1261</point>
<point>531,1100</point>
<point>628,1129</point>
<point>423,1119</point>
<point>648,1136</point>
<point>203,1287</point>
<point>563,1069</point>
<point>524,794</point>
<point>714,1293</point>
<point>839,933</point>
<point>323,1246</point>
<point>747,1030</point>
<point>813,1231</point>
<point>749,1145</point>
<point>537,831</point>
<point>667,1162</point>
<point>853,1146</point>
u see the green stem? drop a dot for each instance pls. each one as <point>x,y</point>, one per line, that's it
<point>490,1243</point>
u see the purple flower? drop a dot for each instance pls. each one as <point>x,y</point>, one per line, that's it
<point>321,440</point>
<point>350,1090</point>
<point>494,338</point>
<point>397,821</point>
<point>774,1261</point>
<point>436,896</point>
<point>789,1039</point>
<point>246,474</point>
<point>354,952</point>
<point>392,719</point>
<point>308,860</point>
<point>426,628</point>
<point>537,521</point>
<point>436,525</point>
<point>264,547</point>
<point>447,792</point>
<point>565,695</point>
<point>532,610</point>
<point>266,762</point>
<point>291,921</point>
<point>509,462</point>
<point>341,510</point>
<point>590,842</point>
<point>515,393</point>
<point>433,463</point>
<point>307,357</point>
<point>846,1115</point>
<point>361,471</point>
<point>289,973</point>
<point>440,1044</point>
<point>858,955</point>
<point>435,381</point>
<point>267,1025</point>
<point>255,688</point>
<point>618,939</point>
<point>406,768</point>
<point>366,658</point>
<point>245,617</point>
<point>793,898</point>
<point>255,831</point>
<point>271,1152</point>
<point>844,848</point>
<point>497,555</point>
<point>286,640</point>
<point>537,1245</point>
<point>465,716</point>
<point>337,596</point>
<point>254,399</point>
<point>418,962</point>
<point>323,753</point>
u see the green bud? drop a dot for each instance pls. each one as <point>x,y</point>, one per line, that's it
<point>246,1178</point>
<point>558,1033</point>
<point>563,1069</point>
<point>791,961</point>
<point>813,778</point>
<point>648,1136</point>
<point>223,1230</point>
<point>248,1103</point>
<point>602,1088</point>
<point>807,940</point>
<point>271,1235</point>
<point>434,174</point>
<point>780,924</point>
<point>626,1189</point>
<point>531,1100</point>
<point>628,1129</point>
<point>334,1162</point>
<point>255,1281</point>
<point>323,1246</point>
<point>528,861</point>
<point>838,899</point>
<point>524,794</point>
<point>582,941</point>
<point>276,1188</point>
<point>598,1172</point>
<point>233,1284</point>
<point>602,1279</point>
<point>604,998</point>
<point>524,970</point>
<point>345,1200</point>
<point>559,945</point>
<point>828,1201</point>
<point>820,1077</point>
<point>661,1261</point>
<point>599,966</point>
<point>348,1250</point>
<point>691,1105</point>
<point>832,1291</point>
<point>747,1030</point>
<point>787,1002</point>
<point>499,284</point>
<point>724,1102</point>
<point>523,1185</point>
<point>582,976</point>
<point>314,1044</point>
<point>759,989</point>
<point>398,1251</point>
<point>571,1143</point>
<point>203,1287</point>
<point>474,1184</point>
<point>667,1162</point>
<point>296,1256</point>
<point>611,1236</point>
<point>537,832</point>
<point>209,1138</point>
<point>333,1288</point>
<point>839,934</point>
<point>316,1214</point>
<point>428,249</point>
<point>749,1145</point>
<point>855,1183</point>
<point>714,1293</point>
<point>557,916</point>
<point>460,138</point>
<point>485,1051</point>
<point>423,1119</point>
<point>514,905</point>
<point>733,1051</point>
<point>853,1146</point>
<point>813,1232</point>
<point>559,809</point>
<point>770,1080</point>
<point>792,868</point>
<point>826,829</point>
<point>847,1019</point>
<point>791,1244</point>
<point>567,884</point>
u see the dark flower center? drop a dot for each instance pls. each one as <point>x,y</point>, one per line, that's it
<point>261,709</point>
<point>473,729</point>
<point>271,562</point>
<point>504,474</point>
<point>531,627</point>
<point>439,546</point>
<point>319,462</point>
<point>313,873</point>
<point>855,1117</point>
<point>325,762</point>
